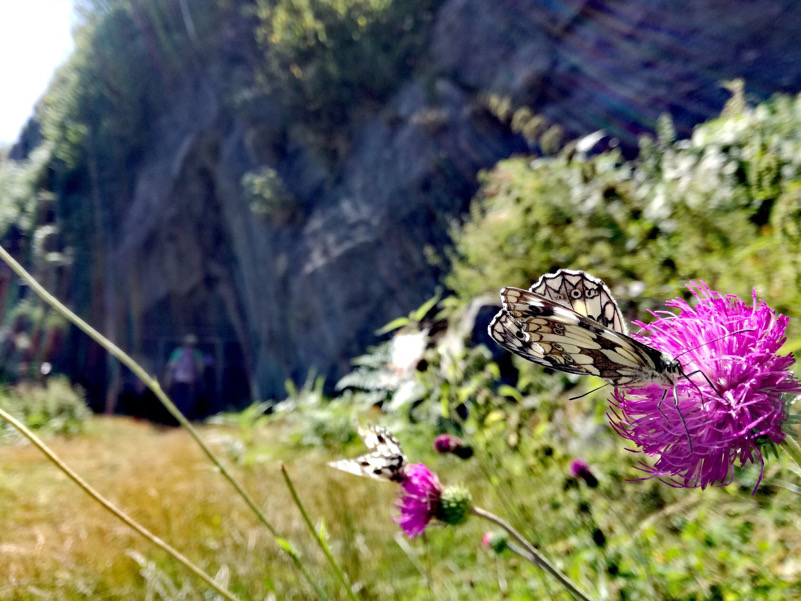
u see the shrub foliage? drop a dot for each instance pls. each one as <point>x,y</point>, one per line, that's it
<point>721,206</point>
<point>54,406</point>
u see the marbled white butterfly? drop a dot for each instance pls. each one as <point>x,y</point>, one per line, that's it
<point>569,321</point>
<point>385,461</point>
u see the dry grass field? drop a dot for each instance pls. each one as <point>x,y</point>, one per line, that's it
<point>57,543</point>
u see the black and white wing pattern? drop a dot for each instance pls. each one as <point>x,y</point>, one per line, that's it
<point>555,335</point>
<point>585,294</point>
<point>510,334</point>
<point>385,461</point>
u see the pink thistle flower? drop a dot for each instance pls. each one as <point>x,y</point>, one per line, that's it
<point>496,541</point>
<point>420,501</point>
<point>580,469</point>
<point>449,444</point>
<point>734,345</point>
<point>445,443</point>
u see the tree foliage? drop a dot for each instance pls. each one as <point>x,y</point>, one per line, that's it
<point>326,58</point>
<point>20,182</point>
<point>719,207</point>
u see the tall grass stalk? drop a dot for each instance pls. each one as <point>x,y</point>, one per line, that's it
<point>153,384</point>
<point>531,553</point>
<point>792,448</point>
<point>109,506</point>
<point>318,536</point>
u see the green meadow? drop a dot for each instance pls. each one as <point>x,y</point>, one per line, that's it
<point>659,542</point>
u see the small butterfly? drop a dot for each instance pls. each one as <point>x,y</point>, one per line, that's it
<point>570,322</point>
<point>385,461</point>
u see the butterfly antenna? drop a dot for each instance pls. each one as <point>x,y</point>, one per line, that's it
<point>581,396</point>
<point>698,371</point>
<point>713,340</point>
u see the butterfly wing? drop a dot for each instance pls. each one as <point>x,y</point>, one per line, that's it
<point>554,335</point>
<point>380,439</point>
<point>509,333</point>
<point>585,294</point>
<point>385,461</point>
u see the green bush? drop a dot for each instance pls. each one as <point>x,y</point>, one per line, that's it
<point>718,207</point>
<point>56,407</point>
<point>20,182</point>
<point>267,195</point>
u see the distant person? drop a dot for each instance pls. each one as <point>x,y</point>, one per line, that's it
<point>184,376</point>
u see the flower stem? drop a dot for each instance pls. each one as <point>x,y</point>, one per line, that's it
<point>793,449</point>
<point>108,505</point>
<point>317,536</point>
<point>532,553</point>
<point>153,384</point>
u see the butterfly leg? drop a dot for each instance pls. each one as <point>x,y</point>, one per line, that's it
<point>681,416</point>
<point>708,381</point>
<point>659,405</point>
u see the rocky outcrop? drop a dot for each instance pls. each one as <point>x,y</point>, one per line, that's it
<point>619,65</point>
<point>303,289</point>
<point>307,293</point>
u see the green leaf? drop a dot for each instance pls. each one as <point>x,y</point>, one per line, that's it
<point>287,546</point>
<point>510,391</point>
<point>322,534</point>
<point>395,324</point>
<point>493,418</point>
<point>421,312</point>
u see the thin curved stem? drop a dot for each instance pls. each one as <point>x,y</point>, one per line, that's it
<point>531,553</point>
<point>153,384</point>
<point>317,536</point>
<point>109,506</point>
<point>793,449</point>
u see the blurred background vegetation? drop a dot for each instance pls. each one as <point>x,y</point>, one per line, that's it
<point>720,203</point>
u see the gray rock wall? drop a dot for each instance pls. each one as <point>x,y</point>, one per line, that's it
<point>304,291</point>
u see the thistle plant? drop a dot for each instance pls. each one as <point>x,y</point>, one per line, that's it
<point>424,500</point>
<point>447,444</point>
<point>579,469</point>
<point>733,401</point>
<point>421,499</point>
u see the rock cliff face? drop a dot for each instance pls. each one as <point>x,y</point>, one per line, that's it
<point>276,297</point>
<point>305,293</point>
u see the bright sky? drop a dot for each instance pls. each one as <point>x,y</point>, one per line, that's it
<point>34,40</point>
